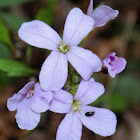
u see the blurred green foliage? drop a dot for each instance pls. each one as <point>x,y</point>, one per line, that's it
<point>133,65</point>
<point>12,21</point>
<point>46,14</point>
<point>15,69</point>
<point>128,86</point>
<point>5,52</point>
<point>116,102</point>
<point>113,101</point>
<point>7,3</point>
<point>4,35</point>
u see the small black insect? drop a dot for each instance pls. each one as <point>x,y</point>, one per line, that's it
<point>105,71</point>
<point>89,113</point>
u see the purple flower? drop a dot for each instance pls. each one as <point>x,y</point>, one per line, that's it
<point>100,121</point>
<point>54,71</point>
<point>29,104</point>
<point>102,14</point>
<point>114,64</point>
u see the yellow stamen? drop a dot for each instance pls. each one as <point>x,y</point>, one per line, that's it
<point>76,106</point>
<point>32,93</point>
<point>63,48</point>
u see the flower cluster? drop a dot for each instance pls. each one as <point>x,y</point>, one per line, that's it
<point>35,98</point>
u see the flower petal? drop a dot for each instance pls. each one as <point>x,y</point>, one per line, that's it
<point>121,64</point>
<point>114,64</point>
<point>12,103</point>
<point>103,14</point>
<point>39,34</point>
<point>89,91</point>
<point>61,102</point>
<point>102,122</point>
<point>84,61</point>
<point>25,117</point>
<point>26,88</point>
<point>77,26</point>
<point>118,64</point>
<point>54,71</point>
<point>40,100</point>
<point>90,8</point>
<point>70,128</point>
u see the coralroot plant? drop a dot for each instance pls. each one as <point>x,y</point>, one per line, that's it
<point>35,98</point>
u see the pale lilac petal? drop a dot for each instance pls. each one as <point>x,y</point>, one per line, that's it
<point>119,65</point>
<point>106,64</point>
<point>77,26</point>
<point>61,102</point>
<point>39,34</point>
<point>90,8</point>
<point>103,14</point>
<point>114,64</point>
<point>12,103</point>
<point>40,100</point>
<point>26,88</point>
<point>112,54</point>
<point>17,98</point>
<point>102,122</point>
<point>82,88</point>
<point>54,71</point>
<point>84,61</point>
<point>25,117</point>
<point>70,128</point>
<point>89,91</point>
<point>63,96</point>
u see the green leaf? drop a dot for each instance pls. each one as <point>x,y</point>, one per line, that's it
<point>6,3</point>
<point>12,21</point>
<point>5,52</point>
<point>46,14</point>
<point>4,35</point>
<point>15,69</point>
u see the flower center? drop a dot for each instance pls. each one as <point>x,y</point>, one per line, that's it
<point>29,94</point>
<point>63,47</point>
<point>112,58</point>
<point>76,106</point>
